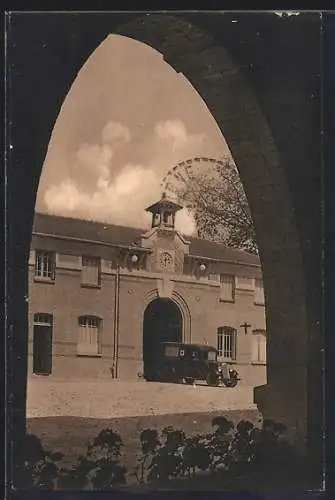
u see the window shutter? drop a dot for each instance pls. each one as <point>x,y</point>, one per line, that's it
<point>88,336</point>
<point>259,346</point>
<point>90,271</point>
<point>255,348</point>
<point>227,290</point>
<point>262,349</point>
<point>259,292</point>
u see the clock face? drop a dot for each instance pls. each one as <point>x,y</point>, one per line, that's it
<point>165,260</point>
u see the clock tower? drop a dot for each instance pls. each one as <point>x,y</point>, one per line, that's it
<point>168,245</point>
<point>164,213</point>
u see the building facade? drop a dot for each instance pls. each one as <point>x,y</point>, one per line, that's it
<point>100,295</point>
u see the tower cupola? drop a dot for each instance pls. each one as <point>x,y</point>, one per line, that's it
<point>164,213</point>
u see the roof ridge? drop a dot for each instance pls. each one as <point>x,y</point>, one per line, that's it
<point>79,219</point>
<point>140,231</point>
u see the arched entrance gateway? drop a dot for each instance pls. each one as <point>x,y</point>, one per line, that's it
<point>277,154</point>
<point>162,322</point>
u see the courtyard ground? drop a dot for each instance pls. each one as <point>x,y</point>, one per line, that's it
<point>102,398</point>
<point>66,414</point>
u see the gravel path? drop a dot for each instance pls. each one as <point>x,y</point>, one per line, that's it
<point>116,399</point>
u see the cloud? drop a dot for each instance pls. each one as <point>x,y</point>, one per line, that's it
<point>115,132</point>
<point>176,133</point>
<point>120,202</point>
<point>116,201</point>
<point>95,191</point>
<point>92,163</point>
<point>185,223</point>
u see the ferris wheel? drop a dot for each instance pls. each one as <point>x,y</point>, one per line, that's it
<point>184,171</point>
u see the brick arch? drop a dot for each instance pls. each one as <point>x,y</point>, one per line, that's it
<point>181,304</point>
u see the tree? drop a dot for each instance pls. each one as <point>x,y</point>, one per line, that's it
<point>216,199</point>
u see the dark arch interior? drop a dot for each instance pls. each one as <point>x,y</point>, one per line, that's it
<point>162,322</point>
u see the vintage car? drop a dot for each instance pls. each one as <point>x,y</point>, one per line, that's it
<point>179,362</point>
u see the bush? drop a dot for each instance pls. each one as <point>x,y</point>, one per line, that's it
<point>228,450</point>
<point>231,451</point>
<point>36,467</point>
<point>99,468</point>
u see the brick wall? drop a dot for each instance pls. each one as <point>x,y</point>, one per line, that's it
<point>67,299</point>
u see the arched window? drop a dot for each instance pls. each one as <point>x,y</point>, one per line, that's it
<point>89,336</point>
<point>226,342</point>
<point>259,346</point>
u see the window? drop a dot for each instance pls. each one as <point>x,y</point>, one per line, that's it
<point>259,346</point>
<point>226,342</point>
<point>88,336</point>
<point>91,267</point>
<point>211,356</point>
<point>227,291</point>
<point>244,283</point>
<point>43,319</point>
<point>259,292</point>
<point>45,264</point>
<point>213,277</point>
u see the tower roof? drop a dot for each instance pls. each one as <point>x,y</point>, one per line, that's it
<point>165,203</point>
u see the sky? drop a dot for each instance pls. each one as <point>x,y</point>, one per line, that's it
<point>128,118</point>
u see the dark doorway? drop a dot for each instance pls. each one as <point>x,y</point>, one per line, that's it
<point>42,350</point>
<point>162,323</point>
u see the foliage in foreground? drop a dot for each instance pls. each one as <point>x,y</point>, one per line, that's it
<point>231,451</point>
<point>228,450</point>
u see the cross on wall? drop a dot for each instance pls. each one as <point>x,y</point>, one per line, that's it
<point>245,325</point>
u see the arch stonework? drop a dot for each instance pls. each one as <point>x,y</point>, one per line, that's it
<point>270,178</point>
<point>181,304</point>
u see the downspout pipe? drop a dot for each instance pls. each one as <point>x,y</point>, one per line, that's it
<point>116,321</point>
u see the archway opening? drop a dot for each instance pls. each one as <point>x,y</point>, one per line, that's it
<point>162,322</point>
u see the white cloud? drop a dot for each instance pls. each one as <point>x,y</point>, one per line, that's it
<point>64,198</point>
<point>185,223</point>
<point>93,191</point>
<point>176,133</point>
<point>92,162</point>
<point>115,132</point>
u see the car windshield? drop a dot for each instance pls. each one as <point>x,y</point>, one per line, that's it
<point>211,356</point>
